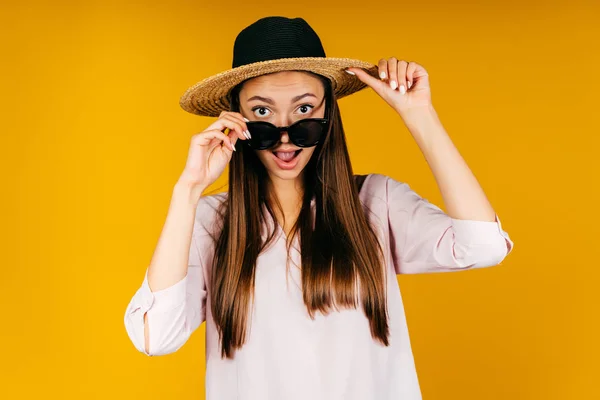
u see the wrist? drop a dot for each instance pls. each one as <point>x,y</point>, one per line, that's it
<point>422,122</point>
<point>419,115</point>
<point>187,192</point>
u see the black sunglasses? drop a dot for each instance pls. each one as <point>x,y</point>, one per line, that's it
<point>303,133</point>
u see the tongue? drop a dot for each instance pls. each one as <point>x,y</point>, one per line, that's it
<point>285,156</point>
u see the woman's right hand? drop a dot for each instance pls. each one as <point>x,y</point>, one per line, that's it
<point>211,150</point>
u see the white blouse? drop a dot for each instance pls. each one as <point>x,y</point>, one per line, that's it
<point>288,355</point>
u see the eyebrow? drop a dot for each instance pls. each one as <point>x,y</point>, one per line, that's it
<point>270,101</point>
<point>297,98</point>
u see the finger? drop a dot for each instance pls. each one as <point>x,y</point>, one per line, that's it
<point>233,139</point>
<point>402,66</point>
<point>248,134</point>
<point>213,137</point>
<point>234,135</point>
<point>410,73</point>
<point>376,84</point>
<point>239,123</point>
<point>241,128</point>
<point>242,120</point>
<point>383,69</point>
<point>393,70</point>
<point>225,122</point>
<point>204,138</point>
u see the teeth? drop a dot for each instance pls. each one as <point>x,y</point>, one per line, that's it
<point>285,156</point>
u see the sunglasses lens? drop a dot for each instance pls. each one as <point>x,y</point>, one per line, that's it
<point>304,133</point>
<point>308,132</point>
<point>264,135</point>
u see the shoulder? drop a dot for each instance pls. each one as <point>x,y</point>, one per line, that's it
<point>211,202</point>
<point>208,213</point>
<point>386,192</point>
<point>380,186</point>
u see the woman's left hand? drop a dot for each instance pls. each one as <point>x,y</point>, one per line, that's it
<point>403,85</point>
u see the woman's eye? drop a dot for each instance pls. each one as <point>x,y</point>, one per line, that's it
<point>261,111</point>
<point>304,109</point>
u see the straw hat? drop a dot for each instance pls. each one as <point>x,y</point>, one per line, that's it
<point>273,44</point>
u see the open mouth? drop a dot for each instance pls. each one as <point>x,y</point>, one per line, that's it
<point>287,156</point>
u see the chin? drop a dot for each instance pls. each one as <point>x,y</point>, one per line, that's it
<point>289,175</point>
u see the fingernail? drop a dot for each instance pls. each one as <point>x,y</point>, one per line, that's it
<point>246,119</point>
<point>382,74</point>
<point>233,146</point>
<point>393,85</point>
<point>409,84</point>
<point>248,135</point>
<point>350,72</point>
<point>402,89</point>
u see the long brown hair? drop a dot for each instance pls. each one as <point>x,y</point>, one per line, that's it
<point>341,248</point>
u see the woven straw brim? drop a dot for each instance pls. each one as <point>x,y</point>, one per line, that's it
<point>210,96</point>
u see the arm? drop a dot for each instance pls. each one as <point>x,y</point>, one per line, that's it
<point>424,239</point>
<point>170,303</point>
<point>463,196</point>
<point>405,87</point>
<point>469,234</point>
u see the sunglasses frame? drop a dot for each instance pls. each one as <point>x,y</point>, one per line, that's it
<point>280,129</point>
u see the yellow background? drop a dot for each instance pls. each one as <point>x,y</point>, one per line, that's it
<point>93,140</point>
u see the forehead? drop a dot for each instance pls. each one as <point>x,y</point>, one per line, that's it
<point>282,86</point>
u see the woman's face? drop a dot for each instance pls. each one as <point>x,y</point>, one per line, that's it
<point>283,98</point>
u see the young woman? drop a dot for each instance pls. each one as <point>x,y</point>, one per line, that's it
<point>294,268</point>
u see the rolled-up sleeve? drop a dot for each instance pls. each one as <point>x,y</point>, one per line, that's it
<point>173,313</point>
<point>425,239</point>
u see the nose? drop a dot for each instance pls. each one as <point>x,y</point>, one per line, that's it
<point>285,138</point>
